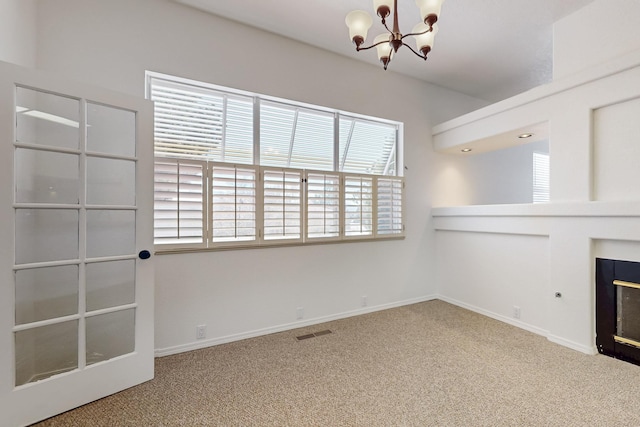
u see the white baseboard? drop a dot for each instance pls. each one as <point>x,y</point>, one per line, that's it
<point>573,345</point>
<point>522,325</point>
<point>161,352</point>
<point>515,322</point>
<point>196,345</point>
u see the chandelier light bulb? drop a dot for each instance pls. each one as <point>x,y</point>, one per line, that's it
<point>359,23</point>
<point>384,49</point>
<point>424,36</point>
<point>429,10</point>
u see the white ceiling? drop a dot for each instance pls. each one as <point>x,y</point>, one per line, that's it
<point>490,49</point>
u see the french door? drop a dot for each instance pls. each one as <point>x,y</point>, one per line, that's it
<point>76,284</point>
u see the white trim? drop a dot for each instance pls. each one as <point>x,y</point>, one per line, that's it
<point>626,208</point>
<point>149,75</point>
<point>196,345</point>
<point>161,352</point>
<point>591,350</point>
<point>517,323</point>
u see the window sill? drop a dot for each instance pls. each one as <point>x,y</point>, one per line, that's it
<point>158,250</point>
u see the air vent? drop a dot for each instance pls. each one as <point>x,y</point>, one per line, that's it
<point>313,335</point>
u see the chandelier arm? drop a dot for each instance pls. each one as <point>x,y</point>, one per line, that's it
<point>413,50</point>
<point>384,22</point>
<point>417,34</point>
<point>373,45</point>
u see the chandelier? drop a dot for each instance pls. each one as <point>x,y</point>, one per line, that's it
<point>387,44</point>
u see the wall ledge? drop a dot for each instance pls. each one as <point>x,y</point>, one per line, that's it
<point>560,209</point>
<point>615,66</point>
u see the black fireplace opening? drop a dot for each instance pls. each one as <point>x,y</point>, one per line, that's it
<point>618,309</point>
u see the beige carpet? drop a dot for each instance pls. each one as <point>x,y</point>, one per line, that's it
<point>428,364</point>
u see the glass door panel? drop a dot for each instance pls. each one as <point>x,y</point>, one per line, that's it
<point>110,335</point>
<point>111,130</point>
<point>46,293</point>
<point>46,351</point>
<point>110,284</point>
<point>110,233</point>
<point>46,235</point>
<point>47,177</point>
<point>47,119</point>
<point>109,181</point>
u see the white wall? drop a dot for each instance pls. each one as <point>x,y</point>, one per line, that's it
<point>616,151</point>
<point>594,209</point>
<point>597,33</point>
<point>495,273</point>
<point>18,32</point>
<point>246,292</point>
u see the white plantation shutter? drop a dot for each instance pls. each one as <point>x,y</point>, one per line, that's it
<point>367,147</point>
<point>201,123</point>
<point>390,206</point>
<point>358,205</point>
<point>282,198</point>
<point>540,177</point>
<point>295,137</point>
<point>323,205</point>
<point>233,203</point>
<point>178,202</point>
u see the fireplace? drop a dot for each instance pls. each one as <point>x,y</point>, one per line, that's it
<point>618,309</point>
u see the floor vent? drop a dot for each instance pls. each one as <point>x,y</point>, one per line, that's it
<point>315,334</point>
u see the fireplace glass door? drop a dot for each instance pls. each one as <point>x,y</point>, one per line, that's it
<point>618,309</point>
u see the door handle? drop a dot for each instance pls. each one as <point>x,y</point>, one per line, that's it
<point>144,254</point>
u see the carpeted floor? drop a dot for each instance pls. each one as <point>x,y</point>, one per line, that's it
<point>428,364</point>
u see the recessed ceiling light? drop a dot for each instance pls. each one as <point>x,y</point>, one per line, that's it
<point>525,135</point>
<point>466,150</point>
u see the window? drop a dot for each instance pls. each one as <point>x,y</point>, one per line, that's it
<point>234,168</point>
<point>540,177</point>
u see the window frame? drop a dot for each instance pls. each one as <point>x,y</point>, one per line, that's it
<point>260,240</point>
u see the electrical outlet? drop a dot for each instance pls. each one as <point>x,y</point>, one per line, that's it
<point>516,311</point>
<point>300,313</point>
<point>363,301</point>
<point>201,332</point>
